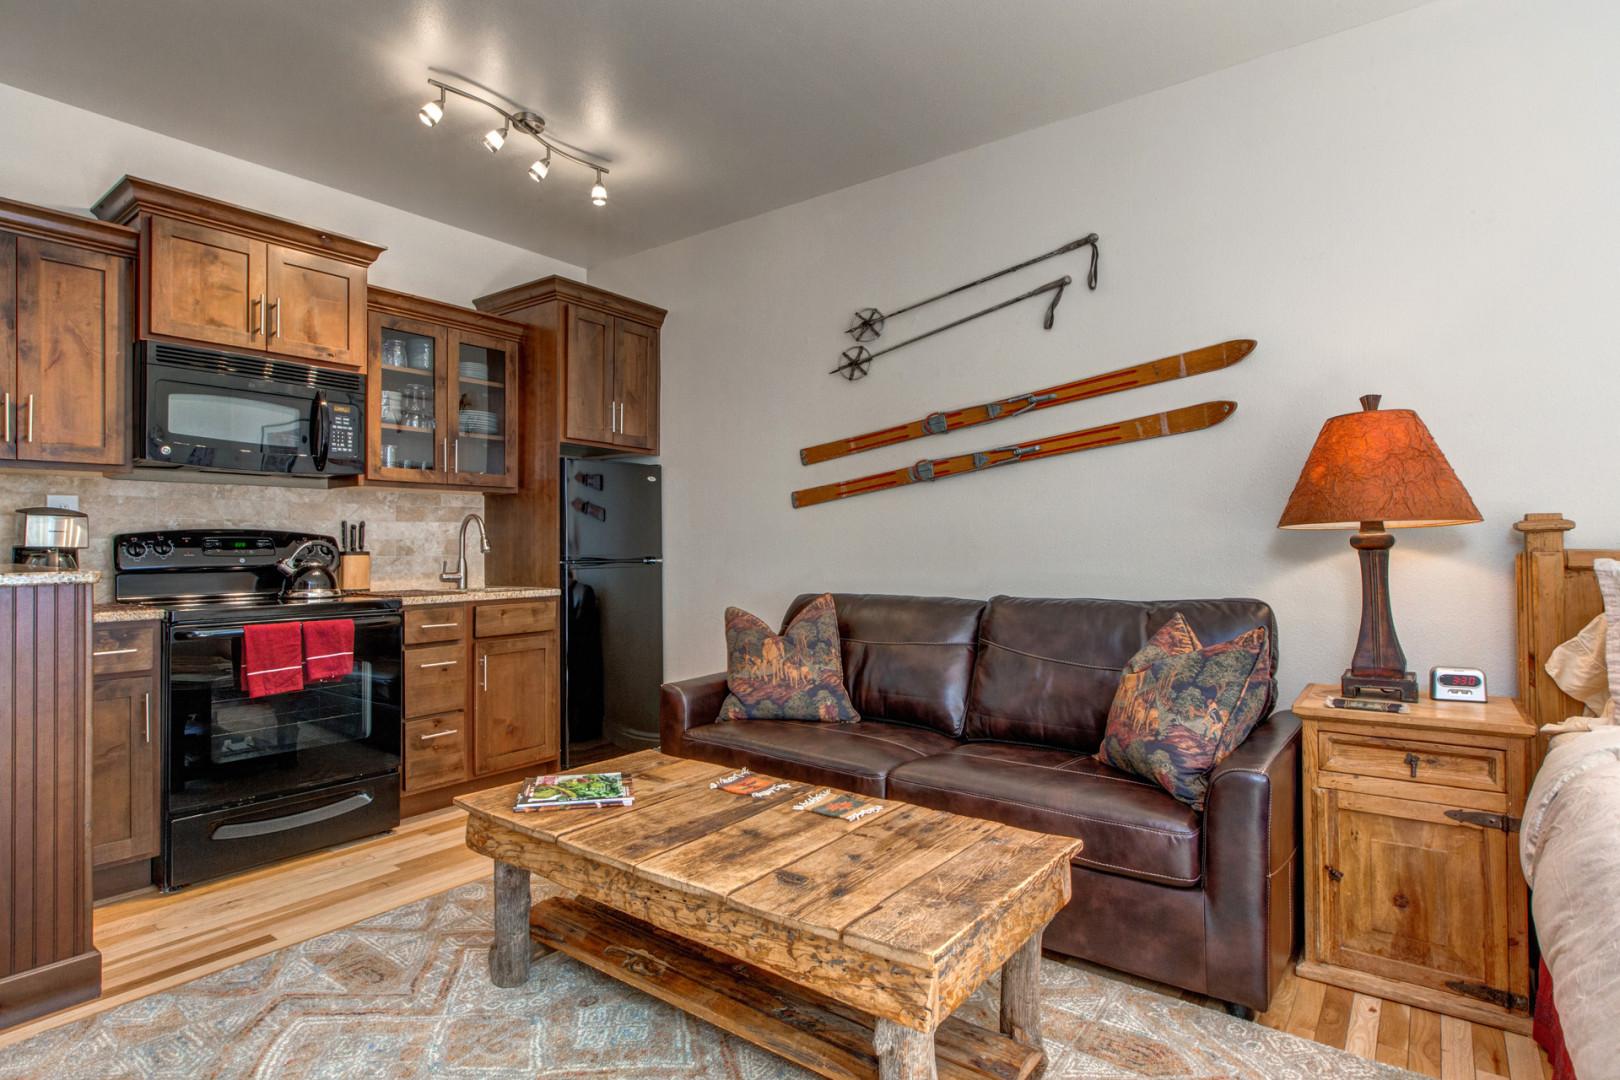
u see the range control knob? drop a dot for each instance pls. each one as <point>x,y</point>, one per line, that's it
<point>134,549</point>
<point>162,547</point>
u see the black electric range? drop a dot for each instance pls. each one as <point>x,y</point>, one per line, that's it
<point>253,780</point>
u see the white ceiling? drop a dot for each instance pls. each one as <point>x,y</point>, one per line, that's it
<point>710,111</point>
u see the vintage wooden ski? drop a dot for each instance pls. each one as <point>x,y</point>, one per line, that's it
<point>1153,426</point>
<point>1180,366</point>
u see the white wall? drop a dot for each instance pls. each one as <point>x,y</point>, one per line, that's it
<point>60,156</point>
<point>1423,208</point>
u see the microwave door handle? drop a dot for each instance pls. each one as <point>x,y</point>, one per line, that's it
<point>319,431</point>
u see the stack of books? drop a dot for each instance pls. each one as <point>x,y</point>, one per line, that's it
<point>574,789</point>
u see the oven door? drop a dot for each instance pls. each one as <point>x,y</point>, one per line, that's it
<point>226,749</point>
<point>226,413</point>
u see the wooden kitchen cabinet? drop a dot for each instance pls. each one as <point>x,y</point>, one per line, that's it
<point>65,289</point>
<point>126,752</point>
<point>217,274</point>
<point>442,400</point>
<point>515,702</point>
<point>1413,890</point>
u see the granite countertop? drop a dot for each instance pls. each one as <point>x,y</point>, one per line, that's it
<point>15,574</point>
<point>416,597</point>
<point>116,612</point>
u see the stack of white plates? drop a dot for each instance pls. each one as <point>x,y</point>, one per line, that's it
<point>393,406</point>
<point>479,422</point>
<point>475,369</point>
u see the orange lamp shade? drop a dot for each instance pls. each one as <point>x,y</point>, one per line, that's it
<point>1377,466</point>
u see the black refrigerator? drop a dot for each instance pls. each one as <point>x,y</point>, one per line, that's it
<point>613,596</point>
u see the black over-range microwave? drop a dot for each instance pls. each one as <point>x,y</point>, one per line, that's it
<point>229,412</point>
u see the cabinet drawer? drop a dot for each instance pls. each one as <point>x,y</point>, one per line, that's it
<point>425,624</point>
<point>435,751</point>
<point>118,648</point>
<point>1477,768</point>
<point>435,679</point>
<point>526,617</point>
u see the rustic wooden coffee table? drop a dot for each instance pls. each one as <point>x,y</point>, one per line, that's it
<point>818,939</point>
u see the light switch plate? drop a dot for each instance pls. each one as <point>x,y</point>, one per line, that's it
<point>62,502</point>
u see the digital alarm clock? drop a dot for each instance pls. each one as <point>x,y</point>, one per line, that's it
<point>1457,684</point>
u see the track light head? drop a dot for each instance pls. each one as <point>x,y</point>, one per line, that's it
<point>495,138</point>
<point>432,112</point>
<point>538,171</point>
<point>599,191</point>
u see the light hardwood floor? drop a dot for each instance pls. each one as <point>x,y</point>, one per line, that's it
<point>150,942</point>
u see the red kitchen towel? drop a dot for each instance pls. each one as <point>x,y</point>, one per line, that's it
<point>272,658</point>
<point>328,649</point>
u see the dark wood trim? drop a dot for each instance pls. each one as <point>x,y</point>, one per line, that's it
<point>406,306</point>
<point>111,882</point>
<point>51,987</point>
<point>28,220</point>
<point>131,197</point>
<point>556,287</point>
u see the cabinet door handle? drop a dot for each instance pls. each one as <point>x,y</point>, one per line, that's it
<point>455,465</point>
<point>437,735</point>
<point>276,307</point>
<point>439,626</point>
<point>149,718</point>
<point>8,416</point>
<point>444,450</point>
<point>483,664</point>
<point>256,315</point>
<point>30,417</point>
<point>438,663</point>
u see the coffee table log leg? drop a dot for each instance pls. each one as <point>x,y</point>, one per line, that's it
<point>903,1053</point>
<point>509,953</point>
<point>1021,994</point>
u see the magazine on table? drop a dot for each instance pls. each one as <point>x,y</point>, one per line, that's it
<point>574,789</point>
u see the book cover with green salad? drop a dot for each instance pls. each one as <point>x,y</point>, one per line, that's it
<point>574,789</point>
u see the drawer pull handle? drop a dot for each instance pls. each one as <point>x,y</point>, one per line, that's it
<point>1412,761</point>
<point>439,625</point>
<point>439,663</point>
<point>114,652</point>
<point>148,718</point>
<point>1335,873</point>
<point>438,734</point>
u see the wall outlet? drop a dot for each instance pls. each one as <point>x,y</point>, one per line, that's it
<point>62,502</point>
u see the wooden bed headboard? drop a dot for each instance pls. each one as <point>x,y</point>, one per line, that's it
<point>1558,595</point>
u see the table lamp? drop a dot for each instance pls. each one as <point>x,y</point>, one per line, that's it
<point>1373,471</point>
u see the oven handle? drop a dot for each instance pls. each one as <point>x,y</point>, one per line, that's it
<point>358,801</point>
<point>236,631</point>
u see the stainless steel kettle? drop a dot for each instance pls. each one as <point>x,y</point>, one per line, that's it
<point>310,572</point>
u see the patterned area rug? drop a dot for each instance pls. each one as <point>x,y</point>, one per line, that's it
<point>407,994</point>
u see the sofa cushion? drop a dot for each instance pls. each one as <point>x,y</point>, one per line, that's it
<point>795,675</point>
<point>907,658</point>
<point>1048,669</point>
<point>855,757</point>
<point>1130,826</point>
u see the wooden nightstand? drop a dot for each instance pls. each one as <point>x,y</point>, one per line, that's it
<point>1413,890</point>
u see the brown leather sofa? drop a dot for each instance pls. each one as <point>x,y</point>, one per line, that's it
<point>994,709</point>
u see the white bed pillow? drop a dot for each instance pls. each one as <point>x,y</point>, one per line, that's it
<point>1587,666</point>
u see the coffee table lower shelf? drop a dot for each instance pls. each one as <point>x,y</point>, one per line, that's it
<point>790,1021</point>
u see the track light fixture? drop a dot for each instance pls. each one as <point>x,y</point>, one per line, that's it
<point>524,123</point>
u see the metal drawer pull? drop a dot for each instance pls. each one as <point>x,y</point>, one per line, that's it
<point>438,734</point>
<point>30,417</point>
<point>358,801</point>
<point>113,652</point>
<point>483,662</point>
<point>438,663</point>
<point>438,625</point>
<point>8,416</point>
<point>149,717</point>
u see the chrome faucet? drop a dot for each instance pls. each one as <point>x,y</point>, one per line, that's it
<point>458,576</point>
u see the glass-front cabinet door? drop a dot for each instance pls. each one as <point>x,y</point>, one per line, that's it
<point>483,396</point>
<point>411,438</point>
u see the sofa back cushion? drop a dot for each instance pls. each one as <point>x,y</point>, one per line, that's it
<point>907,658</point>
<point>1048,669</point>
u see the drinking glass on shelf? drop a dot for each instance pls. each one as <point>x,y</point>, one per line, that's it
<point>421,353</point>
<point>393,352</point>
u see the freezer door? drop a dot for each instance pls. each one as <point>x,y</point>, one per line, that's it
<point>611,510</point>
<point>613,647</point>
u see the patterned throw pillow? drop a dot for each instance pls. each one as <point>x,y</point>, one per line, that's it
<point>795,675</point>
<point>1182,707</point>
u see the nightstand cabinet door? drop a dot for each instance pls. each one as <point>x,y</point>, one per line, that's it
<point>1411,893</point>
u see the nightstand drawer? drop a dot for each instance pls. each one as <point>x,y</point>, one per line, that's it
<point>1476,768</point>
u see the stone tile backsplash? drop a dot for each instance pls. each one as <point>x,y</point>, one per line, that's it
<point>409,533</point>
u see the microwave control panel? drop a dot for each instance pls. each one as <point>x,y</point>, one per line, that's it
<point>345,433</point>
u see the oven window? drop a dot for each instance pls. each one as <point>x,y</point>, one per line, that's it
<point>262,421</point>
<point>226,747</point>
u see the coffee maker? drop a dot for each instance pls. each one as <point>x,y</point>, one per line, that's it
<point>51,537</point>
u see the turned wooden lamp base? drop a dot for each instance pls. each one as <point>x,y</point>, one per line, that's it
<point>1379,666</point>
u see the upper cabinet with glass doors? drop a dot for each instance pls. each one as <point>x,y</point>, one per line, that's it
<point>443,394</point>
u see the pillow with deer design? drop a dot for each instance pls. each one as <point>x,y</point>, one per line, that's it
<point>795,675</point>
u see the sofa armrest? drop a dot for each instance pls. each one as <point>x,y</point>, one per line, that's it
<point>685,705</point>
<point>1252,837</point>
